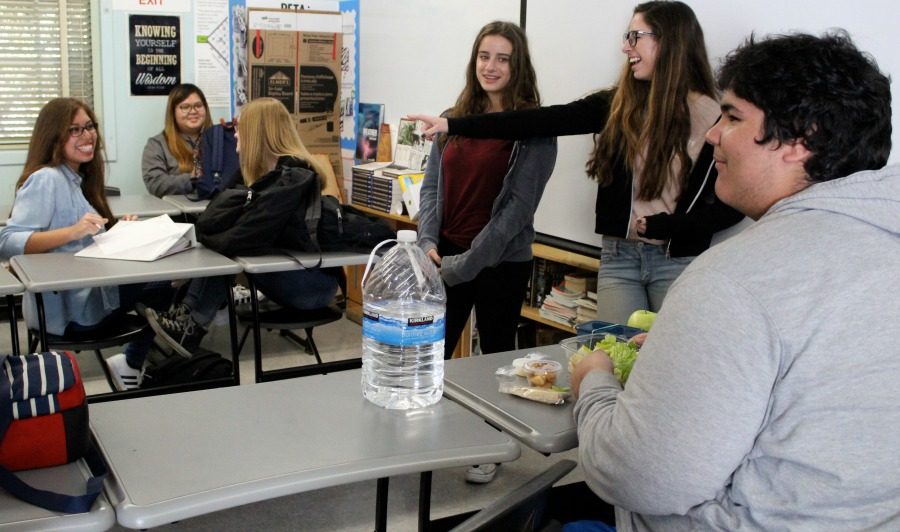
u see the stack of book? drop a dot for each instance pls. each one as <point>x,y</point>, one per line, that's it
<point>587,307</point>
<point>377,185</point>
<point>372,189</point>
<point>560,304</point>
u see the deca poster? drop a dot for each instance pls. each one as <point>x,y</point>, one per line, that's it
<point>155,54</point>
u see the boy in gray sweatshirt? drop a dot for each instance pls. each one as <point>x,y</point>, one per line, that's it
<point>766,396</point>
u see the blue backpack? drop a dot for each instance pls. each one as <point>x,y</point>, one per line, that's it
<point>218,155</point>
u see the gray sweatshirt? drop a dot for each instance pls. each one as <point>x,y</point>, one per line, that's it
<point>767,396</point>
<point>160,169</point>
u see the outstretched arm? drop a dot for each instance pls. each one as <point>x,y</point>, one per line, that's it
<point>587,115</point>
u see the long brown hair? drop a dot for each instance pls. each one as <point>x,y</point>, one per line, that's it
<point>180,149</point>
<point>521,91</point>
<point>47,148</point>
<point>654,115</point>
<point>267,133</point>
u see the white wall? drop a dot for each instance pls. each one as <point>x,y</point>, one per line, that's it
<point>413,53</point>
<point>576,49</point>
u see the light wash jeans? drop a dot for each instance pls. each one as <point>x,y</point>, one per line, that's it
<point>633,275</point>
<point>301,289</point>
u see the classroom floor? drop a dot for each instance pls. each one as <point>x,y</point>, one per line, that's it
<point>349,507</point>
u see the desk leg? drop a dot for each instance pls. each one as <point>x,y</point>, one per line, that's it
<point>13,324</point>
<point>424,501</point>
<point>257,336</point>
<point>381,502</point>
<point>42,319</point>
<point>232,329</point>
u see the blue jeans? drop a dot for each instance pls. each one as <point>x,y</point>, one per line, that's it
<point>157,295</point>
<point>301,289</point>
<point>634,275</point>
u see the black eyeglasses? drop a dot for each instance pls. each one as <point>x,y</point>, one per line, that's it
<point>77,131</point>
<point>633,36</point>
<point>186,108</point>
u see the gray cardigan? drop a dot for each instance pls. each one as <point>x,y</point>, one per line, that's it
<point>509,233</point>
<point>160,169</point>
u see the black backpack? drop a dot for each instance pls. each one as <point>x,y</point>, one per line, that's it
<point>344,228</point>
<point>178,370</point>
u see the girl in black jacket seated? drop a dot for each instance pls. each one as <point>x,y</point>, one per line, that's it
<point>272,157</point>
<point>656,206</point>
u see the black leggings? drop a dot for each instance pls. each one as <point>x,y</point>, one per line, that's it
<point>496,293</point>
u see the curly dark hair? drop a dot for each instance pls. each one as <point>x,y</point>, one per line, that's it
<point>819,90</point>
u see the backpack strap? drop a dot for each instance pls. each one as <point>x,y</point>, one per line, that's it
<point>218,156</point>
<point>60,502</point>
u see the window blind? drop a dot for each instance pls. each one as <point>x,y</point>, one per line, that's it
<point>45,52</point>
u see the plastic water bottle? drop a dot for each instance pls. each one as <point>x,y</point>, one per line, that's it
<point>404,304</point>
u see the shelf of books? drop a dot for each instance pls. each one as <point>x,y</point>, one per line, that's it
<point>562,289</point>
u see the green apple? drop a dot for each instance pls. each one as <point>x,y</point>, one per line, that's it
<point>641,319</point>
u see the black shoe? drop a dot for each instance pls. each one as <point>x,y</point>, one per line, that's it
<point>178,329</point>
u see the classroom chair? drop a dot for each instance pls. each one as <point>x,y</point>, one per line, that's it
<point>523,508</point>
<point>121,332</point>
<point>271,316</point>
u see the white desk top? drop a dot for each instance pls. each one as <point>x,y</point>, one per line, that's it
<point>42,272</point>
<point>472,383</point>
<point>185,205</point>
<point>141,205</point>
<point>280,263</point>
<point>9,284</point>
<point>177,456</point>
<point>70,478</point>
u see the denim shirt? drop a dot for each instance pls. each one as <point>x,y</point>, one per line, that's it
<point>51,198</point>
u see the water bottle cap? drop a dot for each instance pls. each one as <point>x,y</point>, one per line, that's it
<point>406,235</point>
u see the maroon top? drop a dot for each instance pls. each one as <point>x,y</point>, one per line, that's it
<point>473,172</point>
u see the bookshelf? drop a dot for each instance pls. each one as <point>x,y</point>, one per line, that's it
<point>556,254</point>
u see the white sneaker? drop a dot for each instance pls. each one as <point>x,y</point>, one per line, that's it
<point>241,295</point>
<point>124,376</point>
<point>481,474</point>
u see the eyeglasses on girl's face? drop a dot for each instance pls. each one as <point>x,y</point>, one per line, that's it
<point>77,131</point>
<point>633,36</point>
<point>187,108</point>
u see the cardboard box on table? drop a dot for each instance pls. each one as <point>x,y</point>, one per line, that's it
<point>295,57</point>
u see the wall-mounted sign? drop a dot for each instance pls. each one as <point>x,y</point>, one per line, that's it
<point>152,6</point>
<point>155,54</point>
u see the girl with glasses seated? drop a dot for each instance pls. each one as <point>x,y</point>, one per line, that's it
<point>59,205</point>
<point>171,159</point>
<point>272,156</point>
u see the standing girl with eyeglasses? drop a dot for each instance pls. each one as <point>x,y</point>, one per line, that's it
<point>656,206</point>
<point>59,205</point>
<point>171,160</point>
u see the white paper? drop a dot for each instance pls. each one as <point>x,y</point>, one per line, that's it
<point>142,240</point>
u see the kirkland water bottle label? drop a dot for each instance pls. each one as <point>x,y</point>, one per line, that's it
<point>403,332</point>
